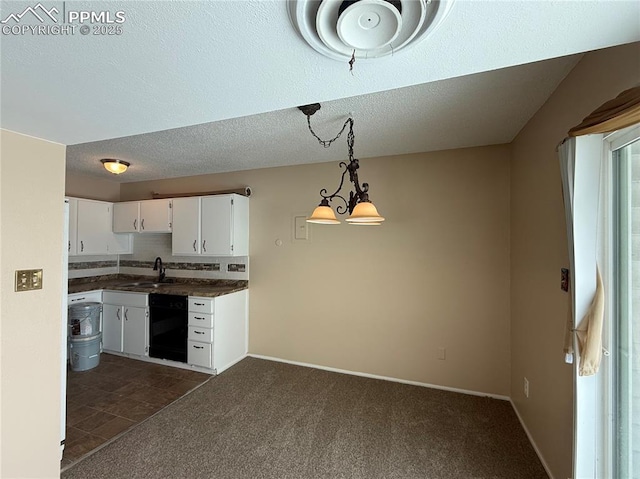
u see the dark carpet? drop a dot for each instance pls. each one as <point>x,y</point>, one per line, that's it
<point>263,419</point>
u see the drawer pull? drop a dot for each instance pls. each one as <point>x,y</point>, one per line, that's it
<point>78,299</point>
<point>201,319</point>
<point>199,332</point>
<point>199,304</point>
<point>198,347</point>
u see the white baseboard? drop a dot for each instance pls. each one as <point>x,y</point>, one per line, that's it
<point>533,443</point>
<point>384,378</point>
<point>227,366</point>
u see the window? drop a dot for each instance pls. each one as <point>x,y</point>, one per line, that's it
<point>623,313</point>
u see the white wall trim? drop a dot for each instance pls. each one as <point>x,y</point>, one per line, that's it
<point>384,378</point>
<point>533,443</point>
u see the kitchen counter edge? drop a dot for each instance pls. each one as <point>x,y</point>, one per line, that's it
<point>181,286</point>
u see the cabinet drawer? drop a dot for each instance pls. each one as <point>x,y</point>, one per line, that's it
<point>199,354</point>
<point>89,296</point>
<point>200,334</point>
<point>140,300</point>
<point>201,305</point>
<point>201,320</point>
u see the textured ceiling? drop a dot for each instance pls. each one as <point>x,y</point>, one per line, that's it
<point>180,63</point>
<point>481,109</point>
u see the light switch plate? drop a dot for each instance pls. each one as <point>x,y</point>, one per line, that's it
<point>28,279</point>
<point>301,226</point>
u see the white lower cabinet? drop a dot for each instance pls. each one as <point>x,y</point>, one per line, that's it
<point>217,336</point>
<point>125,320</point>
<point>87,297</point>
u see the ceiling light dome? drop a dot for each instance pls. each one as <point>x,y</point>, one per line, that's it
<point>367,28</point>
<point>115,166</point>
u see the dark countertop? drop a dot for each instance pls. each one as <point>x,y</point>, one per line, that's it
<point>181,286</point>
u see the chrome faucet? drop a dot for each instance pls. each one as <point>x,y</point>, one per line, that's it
<point>157,266</point>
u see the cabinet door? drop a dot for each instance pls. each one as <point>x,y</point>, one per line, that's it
<point>112,327</point>
<point>217,225</point>
<point>73,226</point>
<point>94,227</point>
<point>240,221</point>
<point>155,216</point>
<point>125,217</point>
<point>185,239</point>
<point>135,330</point>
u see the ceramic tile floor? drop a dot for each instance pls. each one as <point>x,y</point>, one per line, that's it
<point>115,396</point>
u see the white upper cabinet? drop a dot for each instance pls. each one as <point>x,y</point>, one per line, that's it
<point>217,225</point>
<point>90,231</point>
<point>211,225</point>
<point>149,216</point>
<point>185,239</point>
<point>155,216</point>
<point>126,217</point>
<point>94,227</point>
<point>73,226</point>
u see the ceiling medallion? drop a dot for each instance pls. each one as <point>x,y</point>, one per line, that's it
<point>365,29</point>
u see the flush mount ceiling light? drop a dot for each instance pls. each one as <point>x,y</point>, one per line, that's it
<point>115,166</point>
<point>366,29</point>
<point>361,210</point>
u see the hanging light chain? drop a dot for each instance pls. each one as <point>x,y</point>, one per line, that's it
<point>327,143</point>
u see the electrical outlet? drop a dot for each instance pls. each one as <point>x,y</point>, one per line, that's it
<point>526,387</point>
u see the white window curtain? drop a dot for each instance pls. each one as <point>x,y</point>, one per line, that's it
<point>580,165</point>
<point>580,186</point>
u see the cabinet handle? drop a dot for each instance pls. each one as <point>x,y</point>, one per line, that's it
<point>118,314</point>
<point>194,245</point>
<point>199,304</point>
<point>135,224</point>
<point>204,249</point>
<point>199,332</point>
<point>77,299</point>
<point>81,246</point>
<point>69,247</point>
<point>198,347</point>
<point>142,223</point>
<point>125,315</point>
<point>201,319</point>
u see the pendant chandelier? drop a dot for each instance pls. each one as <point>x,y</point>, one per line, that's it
<point>361,211</point>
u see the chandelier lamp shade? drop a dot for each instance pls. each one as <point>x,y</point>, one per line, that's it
<point>115,166</point>
<point>361,210</point>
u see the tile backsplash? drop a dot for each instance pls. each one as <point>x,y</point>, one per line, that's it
<point>146,248</point>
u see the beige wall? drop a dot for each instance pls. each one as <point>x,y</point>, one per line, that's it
<point>382,300</point>
<point>539,250</point>
<point>32,192</point>
<point>92,188</point>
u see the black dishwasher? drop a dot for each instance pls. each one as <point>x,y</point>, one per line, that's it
<point>168,329</point>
